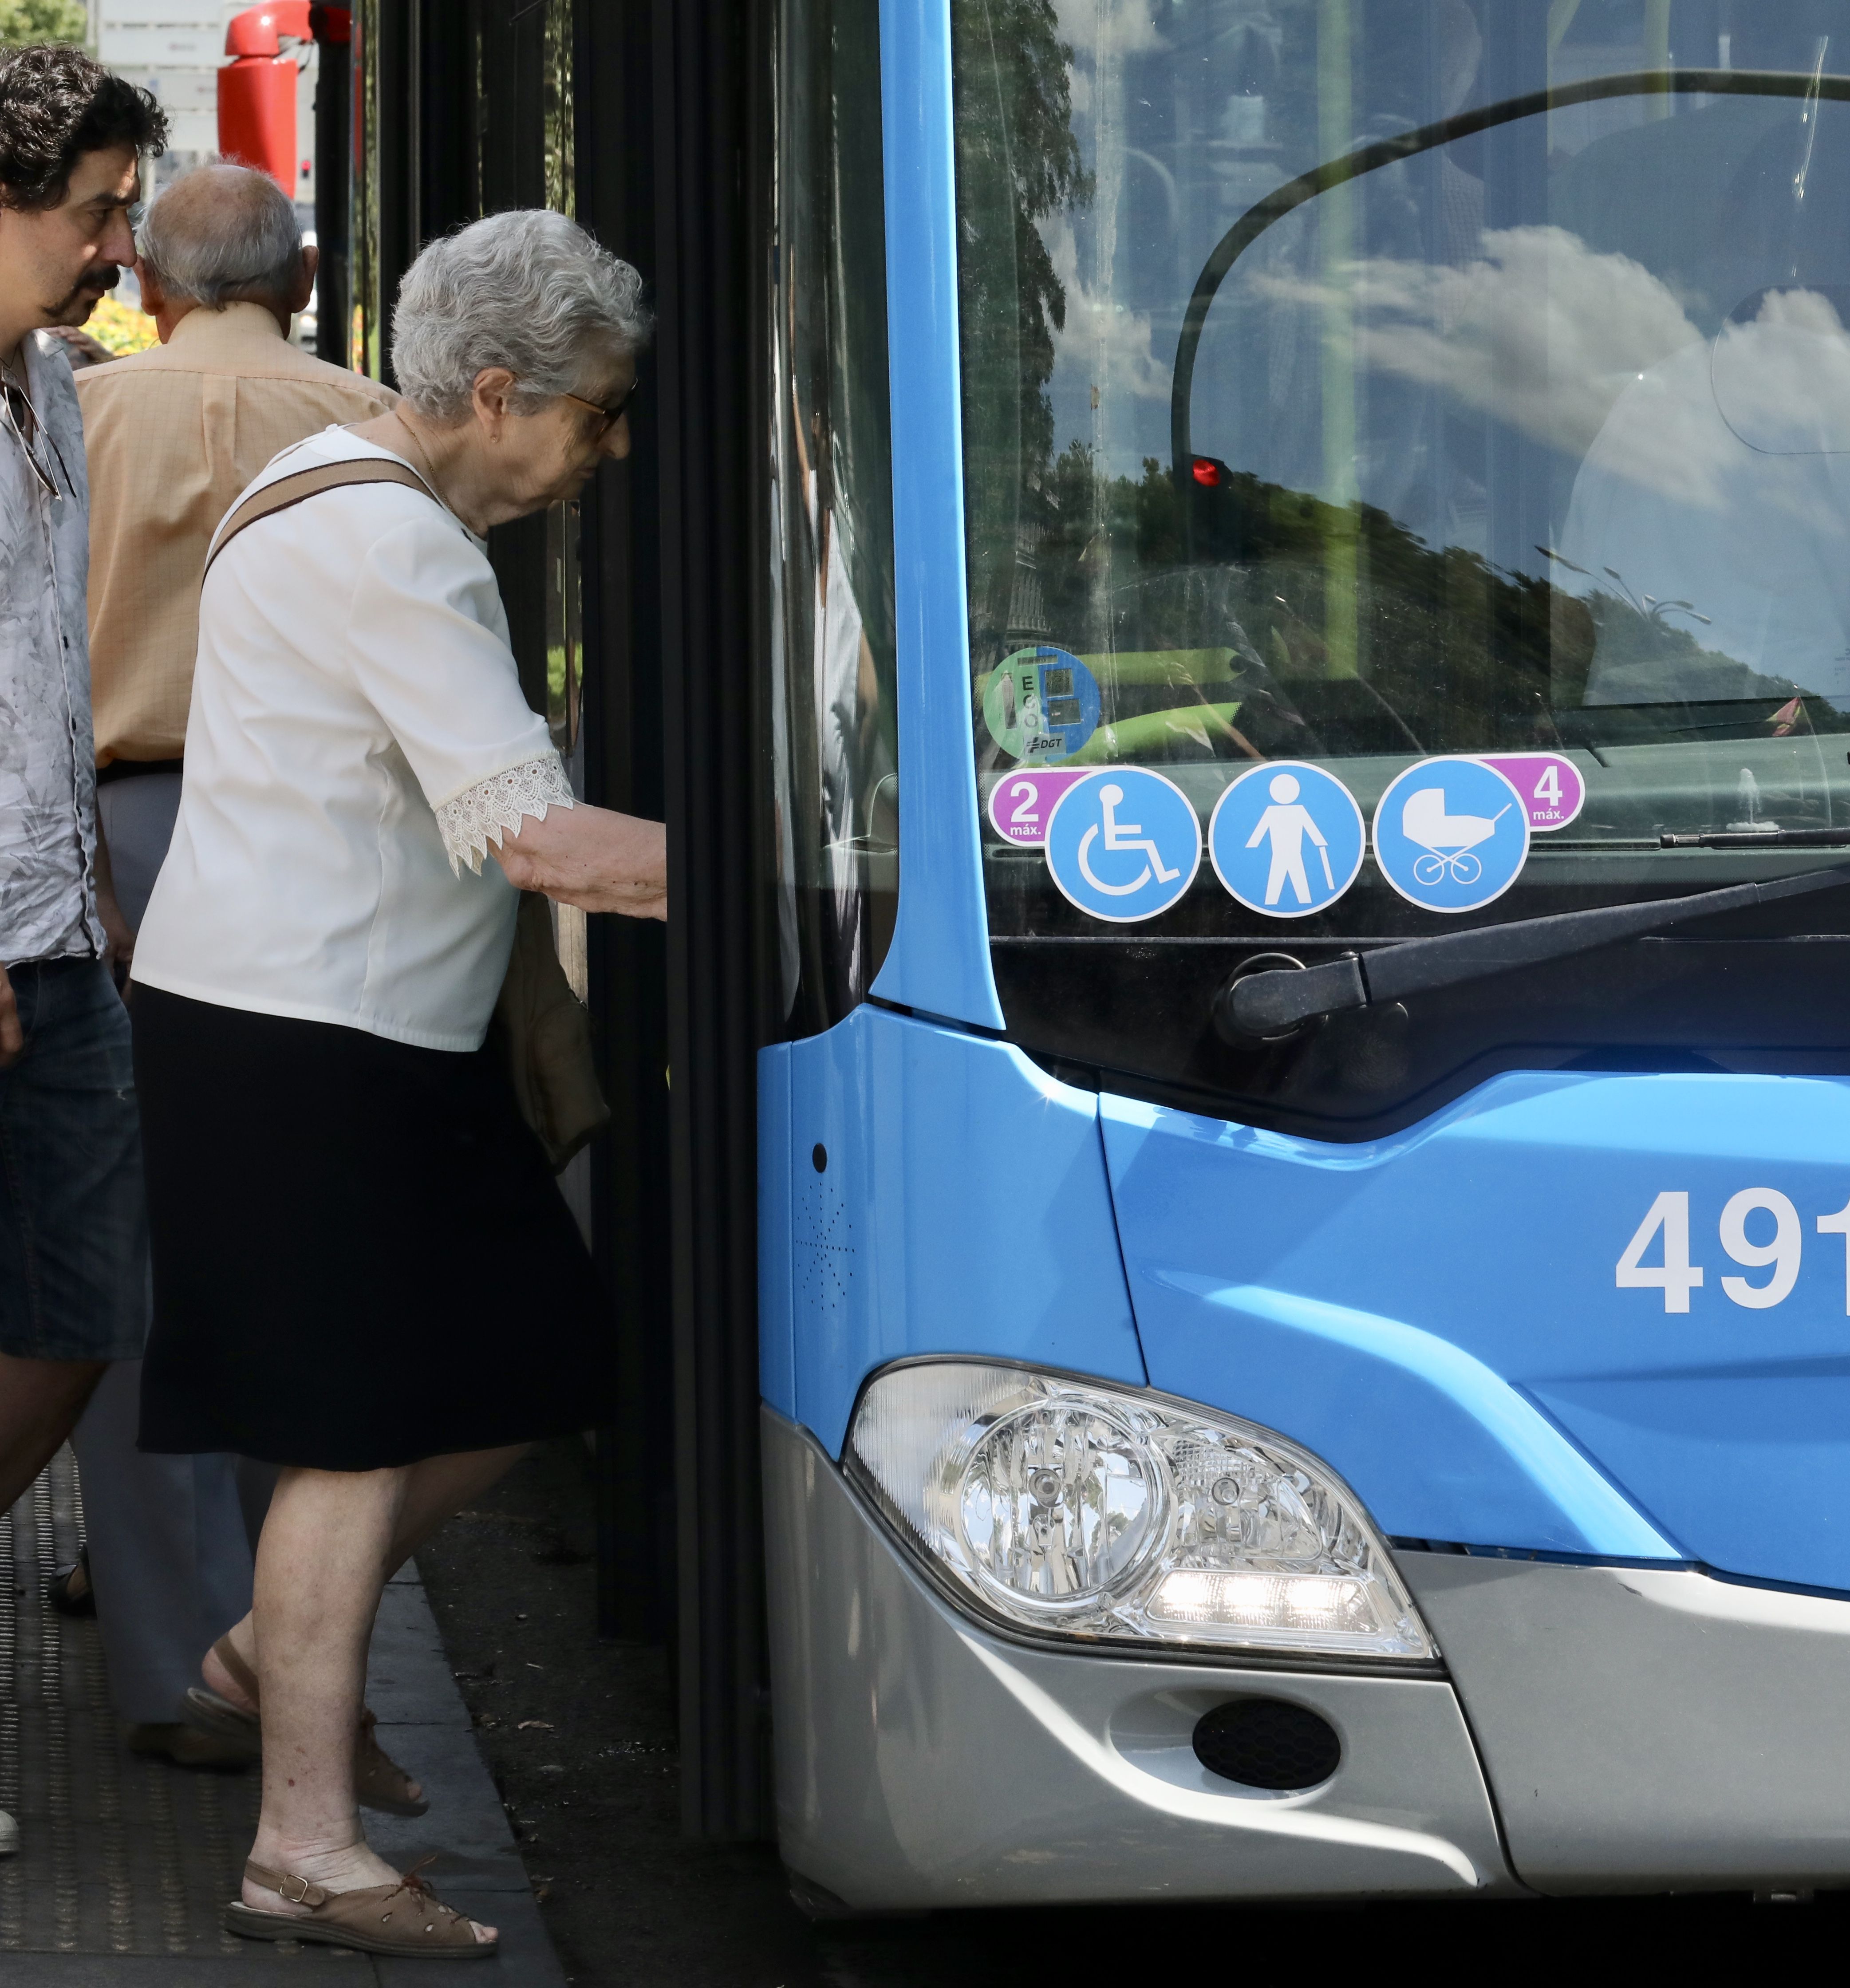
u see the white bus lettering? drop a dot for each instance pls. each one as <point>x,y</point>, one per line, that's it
<point>1783,1252</point>
<point>1675,1279</point>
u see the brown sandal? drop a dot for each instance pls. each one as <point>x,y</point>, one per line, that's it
<point>405,1919</point>
<point>379,1782</point>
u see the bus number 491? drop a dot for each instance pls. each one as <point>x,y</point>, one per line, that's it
<point>1666,1227</point>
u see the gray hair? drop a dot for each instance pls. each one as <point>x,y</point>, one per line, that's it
<point>529,290</point>
<point>223,234</point>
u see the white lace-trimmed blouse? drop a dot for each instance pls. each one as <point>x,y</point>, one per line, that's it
<point>358,738</point>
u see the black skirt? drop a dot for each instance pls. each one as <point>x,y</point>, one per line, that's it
<point>360,1256</point>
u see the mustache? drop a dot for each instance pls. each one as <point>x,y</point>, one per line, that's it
<point>105,275</point>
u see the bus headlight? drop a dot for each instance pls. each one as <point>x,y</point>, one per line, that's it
<point>1074,1508</point>
<point>1058,1503</point>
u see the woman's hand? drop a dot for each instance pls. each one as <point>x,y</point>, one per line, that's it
<point>84,350</point>
<point>118,936</point>
<point>593,857</point>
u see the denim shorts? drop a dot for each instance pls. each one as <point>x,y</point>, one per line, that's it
<point>73,1222</point>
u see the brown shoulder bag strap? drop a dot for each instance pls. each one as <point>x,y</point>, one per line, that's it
<point>290,490</point>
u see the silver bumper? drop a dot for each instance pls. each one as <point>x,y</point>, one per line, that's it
<point>1651,1729</point>
<point>922,1762</point>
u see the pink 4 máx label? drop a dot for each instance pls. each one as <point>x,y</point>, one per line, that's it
<point>1549,782</point>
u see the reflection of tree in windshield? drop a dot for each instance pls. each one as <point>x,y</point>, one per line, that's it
<point>1018,164</point>
<point>1464,657</point>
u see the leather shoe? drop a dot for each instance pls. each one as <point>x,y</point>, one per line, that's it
<point>188,1747</point>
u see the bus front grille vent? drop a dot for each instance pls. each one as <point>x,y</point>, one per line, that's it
<point>1267,1742</point>
<point>825,1247</point>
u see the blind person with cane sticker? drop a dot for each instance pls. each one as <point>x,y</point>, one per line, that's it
<point>1260,830</point>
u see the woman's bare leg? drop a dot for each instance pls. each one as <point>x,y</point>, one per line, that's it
<point>442,1486</point>
<point>429,1493</point>
<point>325,1551</point>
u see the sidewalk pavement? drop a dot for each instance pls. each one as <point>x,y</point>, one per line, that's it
<point>125,1861</point>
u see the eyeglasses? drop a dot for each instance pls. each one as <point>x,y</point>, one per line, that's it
<point>608,417</point>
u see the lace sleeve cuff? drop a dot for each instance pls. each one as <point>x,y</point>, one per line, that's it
<point>469,821</point>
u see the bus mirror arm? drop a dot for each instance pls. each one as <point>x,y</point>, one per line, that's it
<point>1274,1004</point>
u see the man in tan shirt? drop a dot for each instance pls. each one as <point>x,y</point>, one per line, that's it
<point>173,436</point>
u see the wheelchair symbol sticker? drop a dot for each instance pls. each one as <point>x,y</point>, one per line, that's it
<point>1451,835</point>
<point>1123,844</point>
<point>1287,839</point>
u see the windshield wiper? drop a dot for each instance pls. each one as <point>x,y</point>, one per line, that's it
<point>1275,1002</point>
<point>1761,838</point>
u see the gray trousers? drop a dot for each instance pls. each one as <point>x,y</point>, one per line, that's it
<point>171,1538</point>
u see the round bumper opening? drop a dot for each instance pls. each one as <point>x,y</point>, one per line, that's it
<point>1267,1742</point>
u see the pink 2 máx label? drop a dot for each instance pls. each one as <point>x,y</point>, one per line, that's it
<point>1020,802</point>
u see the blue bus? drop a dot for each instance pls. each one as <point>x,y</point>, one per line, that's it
<point>1304,1169</point>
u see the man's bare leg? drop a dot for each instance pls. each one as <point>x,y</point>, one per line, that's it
<point>40,1400</point>
<point>322,1560</point>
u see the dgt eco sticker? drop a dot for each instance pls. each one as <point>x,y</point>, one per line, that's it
<point>1287,839</point>
<point>1123,844</point>
<point>1451,835</point>
<point>1041,704</point>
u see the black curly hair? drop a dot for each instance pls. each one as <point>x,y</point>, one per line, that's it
<point>55,104</point>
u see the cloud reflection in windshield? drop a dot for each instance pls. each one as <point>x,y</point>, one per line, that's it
<point>1539,330</point>
<point>1722,478</point>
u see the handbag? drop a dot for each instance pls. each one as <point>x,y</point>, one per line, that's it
<point>544,1036</point>
<point>540,1026</point>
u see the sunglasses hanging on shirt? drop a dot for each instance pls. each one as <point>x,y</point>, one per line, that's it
<point>19,410</point>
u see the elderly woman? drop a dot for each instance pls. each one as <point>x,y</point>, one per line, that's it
<point>364,1272</point>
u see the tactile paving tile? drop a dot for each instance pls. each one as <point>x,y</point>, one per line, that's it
<point>120,1853</point>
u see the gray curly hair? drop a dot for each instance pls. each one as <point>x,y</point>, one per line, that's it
<point>529,290</point>
<point>223,234</point>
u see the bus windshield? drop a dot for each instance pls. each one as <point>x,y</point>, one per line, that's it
<point>1450,401</point>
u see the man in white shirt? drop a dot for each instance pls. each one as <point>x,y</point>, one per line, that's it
<point>72,1228</point>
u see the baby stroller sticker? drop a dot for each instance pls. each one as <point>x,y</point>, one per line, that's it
<point>1287,839</point>
<point>1123,844</point>
<point>1451,835</point>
